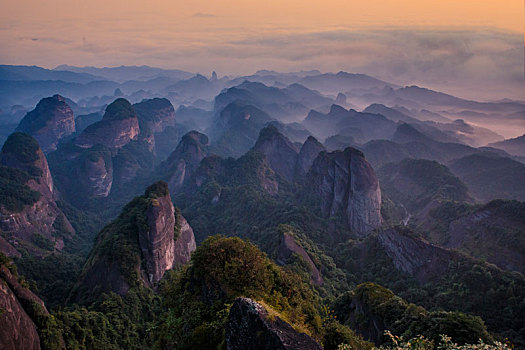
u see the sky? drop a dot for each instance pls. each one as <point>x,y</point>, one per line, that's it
<point>470,47</point>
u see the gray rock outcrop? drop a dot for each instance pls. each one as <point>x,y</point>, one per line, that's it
<point>347,185</point>
<point>249,327</point>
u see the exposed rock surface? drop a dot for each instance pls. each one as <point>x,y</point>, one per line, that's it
<point>249,327</point>
<point>414,256</point>
<point>183,162</point>
<point>42,217</point>
<point>280,152</point>
<point>185,243</point>
<point>156,114</point>
<point>95,173</point>
<point>49,122</point>
<point>17,330</point>
<point>118,127</point>
<point>287,247</point>
<point>309,151</point>
<point>347,185</point>
<point>137,248</point>
<point>494,232</point>
<point>156,239</point>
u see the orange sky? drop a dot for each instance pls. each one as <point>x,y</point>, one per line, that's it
<point>241,36</point>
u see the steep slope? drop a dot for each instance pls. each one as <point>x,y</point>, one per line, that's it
<point>491,232</point>
<point>236,128</point>
<point>118,127</point>
<point>515,146</point>
<point>184,160</point>
<point>309,151</point>
<point>137,248</point>
<point>346,185</point>
<point>288,247</point>
<point>250,327</point>
<point>279,151</point>
<point>26,323</point>
<point>363,127</point>
<point>432,277</point>
<point>155,114</point>
<point>491,177</point>
<point>371,309</point>
<point>30,218</point>
<point>416,183</point>
<point>51,121</point>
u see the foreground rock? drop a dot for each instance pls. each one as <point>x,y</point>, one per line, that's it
<point>22,315</point>
<point>251,327</point>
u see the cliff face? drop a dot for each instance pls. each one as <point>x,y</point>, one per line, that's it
<point>249,327</point>
<point>18,331</point>
<point>309,151</point>
<point>419,259</point>
<point>138,247</point>
<point>39,217</point>
<point>183,162</point>
<point>156,114</point>
<point>185,243</point>
<point>49,122</point>
<point>95,172</point>
<point>118,127</point>
<point>347,185</point>
<point>279,151</point>
<point>288,247</point>
<point>23,315</point>
<point>156,238</point>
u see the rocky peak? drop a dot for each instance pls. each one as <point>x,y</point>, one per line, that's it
<point>156,238</point>
<point>23,152</point>
<point>182,163</point>
<point>155,114</point>
<point>406,133</point>
<point>309,151</point>
<point>250,327</point>
<point>346,185</point>
<point>280,152</point>
<point>118,127</point>
<point>147,239</point>
<point>341,99</point>
<point>29,213</point>
<point>49,122</point>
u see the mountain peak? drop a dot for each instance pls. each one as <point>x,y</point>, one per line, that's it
<point>50,121</point>
<point>280,152</point>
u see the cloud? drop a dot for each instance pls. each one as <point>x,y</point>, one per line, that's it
<point>204,15</point>
<point>479,63</point>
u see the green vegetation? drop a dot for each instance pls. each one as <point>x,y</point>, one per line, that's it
<point>118,243</point>
<point>416,182</point>
<point>14,193</point>
<point>372,309</point>
<point>24,146</point>
<point>222,269</point>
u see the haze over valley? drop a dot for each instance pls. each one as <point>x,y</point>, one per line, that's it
<point>239,176</point>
